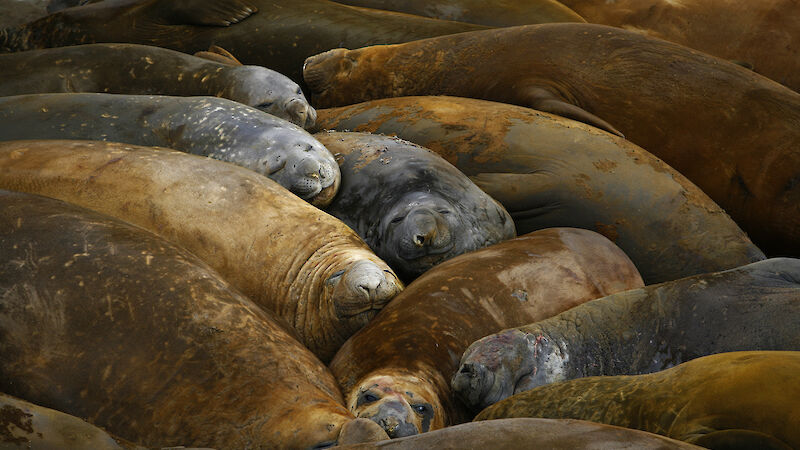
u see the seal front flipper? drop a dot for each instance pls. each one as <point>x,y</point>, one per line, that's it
<point>739,439</point>
<point>218,54</point>
<point>544,100</point>
<point>221,13</point>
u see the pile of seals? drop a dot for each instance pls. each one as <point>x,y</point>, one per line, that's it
<point>513,224</point>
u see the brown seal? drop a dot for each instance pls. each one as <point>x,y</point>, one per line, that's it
<point>286,255</point>
<point>730,131</point>
<point>397,369</point>
<point>105,321</point>
<point>549,171</point>
<point>728,400</point>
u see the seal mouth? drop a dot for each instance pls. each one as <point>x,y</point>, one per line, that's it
<point>427,254</point>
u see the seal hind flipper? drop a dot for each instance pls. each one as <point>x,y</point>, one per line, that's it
<point>220,55</point>
<point>221,13</point>
<point>739,439</point>
<point>543,100</point>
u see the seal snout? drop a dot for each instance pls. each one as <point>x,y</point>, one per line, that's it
<point>301,113</point>
<point>472,383</point>
<point>426,233</point>
<point>318,70</point>
<point>315,176</point>
<point>364,287</point>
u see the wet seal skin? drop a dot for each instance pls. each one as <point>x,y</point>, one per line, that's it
<point>396,370</point>
<point>685,107</point>
<point>143,69</point>
<point>519,433</point>
<point>105,321</point>
<point>286,255</point>
<point>502,13</point>
<point>738,400</point>
<point>550,171</point>
<point>260,32</point>
<point>762,34</point>
<point>754,307</point>
<point>413,208</point>
<point>208,126</point>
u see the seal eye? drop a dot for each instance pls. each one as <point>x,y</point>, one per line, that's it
<point>420,409</point>
<point>335,277</point>
<point>265,105</point>
<point>444,211</point>
<point>398,219</point>
<point>367,398</point>
<point>299,91</point>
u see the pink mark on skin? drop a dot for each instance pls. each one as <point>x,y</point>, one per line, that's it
<point>536,343</point>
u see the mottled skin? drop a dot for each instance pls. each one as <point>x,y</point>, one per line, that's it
<point>729,130</point>
<point>739,400</point>
<point>207,126</point>
<point>520,433</point>
<point>261,32</point>
<point>24,425</point>
<point>549,171</point>
<point>754,307</point>
<point>287,256</point>
<point>413,208</point>
<point>502,13</point>
<point>405,357</point>
<point>105,321</point>
<point>762,34</point>
<point>142,69</point>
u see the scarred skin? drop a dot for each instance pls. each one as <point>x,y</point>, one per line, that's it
<point>404,358</point>
<point>412,207</point>
<point>760,34</point>
<point>502,13</point>
<point>108,322</point>
<point>207,126</point>
<point>754,307</point>
<point>727,129</point>
<point>287,256</point>
<point>260,32</point>
<point>142,69</point>
<point>730,400</point>
<point>549,171</point>
<point>514,434</point>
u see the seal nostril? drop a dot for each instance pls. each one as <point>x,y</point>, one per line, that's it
<point>467,369</point>
<point>419,240</point>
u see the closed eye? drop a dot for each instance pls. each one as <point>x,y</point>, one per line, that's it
<point>265,105</point>
<point>398,219</point>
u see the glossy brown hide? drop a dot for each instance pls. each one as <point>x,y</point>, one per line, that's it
<point>502,13</point>
<point>549,171</point>
<point>278,250</point>
<point>108,322</point>
<point>727,129</point>
<point>738,400</point>
<point>762,34</point>
<point>278,36</point>
<point>418,338</point>
<point>521,433</point>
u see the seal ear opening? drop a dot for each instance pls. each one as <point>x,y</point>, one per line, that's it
<point>220,55</point>
<point>319,69</point>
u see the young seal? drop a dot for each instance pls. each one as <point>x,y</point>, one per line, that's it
<point>208,126</point>
<point>640,331</point>
<point>105,321</point>
<point>286,255</point>
<point>728,130</point>
<point>396,370</point>
<point>143,69</point>
<point>413,208</point>
<point>549,171</point>
<point>731,400</point>
<point>260,32</point>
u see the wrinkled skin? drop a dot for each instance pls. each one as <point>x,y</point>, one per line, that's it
<point>105,321</point>
<point>685,107</point>
<point>207,126</point>
<point>412,207</point>
<point>549,171</point>
<point>397,369</point>
<point>640,331</point>
<point>142,69</point>
<point>286,255</point>
<point>737,400</point>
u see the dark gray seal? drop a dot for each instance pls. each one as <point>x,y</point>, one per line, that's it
<point>208,126</point>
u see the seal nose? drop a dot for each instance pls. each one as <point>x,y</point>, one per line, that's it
<point>471,382</point>
<point>393,418</point>
<point>301,113</point>
<point>423,228</point>
<point>365,286</point>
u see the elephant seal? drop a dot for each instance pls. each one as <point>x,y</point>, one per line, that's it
<point>143,69</point>
<point>729,400</point>
<point>413,208</point>
<point>106,321</point>
<point>514,434</point>
<point>207,126</point>
<point>493,14</point>
<point>761,34</point>
<point>549,171</point>
<point>24,425</point>
<point>397,369</point>
<point>640,331</point>
<point>728,130</point>
<point>287,256</point>
<point>260,32</point>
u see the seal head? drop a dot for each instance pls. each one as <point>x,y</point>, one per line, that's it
<point>270,92</point>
